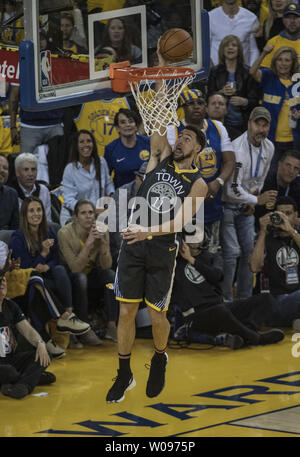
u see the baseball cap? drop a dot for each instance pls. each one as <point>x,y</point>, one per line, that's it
<point>188,95</point>
<point>142,170</point>
<point>260,113</point>
<point>291,8</point>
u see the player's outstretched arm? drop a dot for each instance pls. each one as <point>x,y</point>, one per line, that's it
<point>160,148</point>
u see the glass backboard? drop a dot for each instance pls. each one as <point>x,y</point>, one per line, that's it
<point>65,56</point>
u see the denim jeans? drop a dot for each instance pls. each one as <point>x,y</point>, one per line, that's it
<point>237,236</point>
<point>285,310</point>
<point>96,282</point>
<point>30,138</point>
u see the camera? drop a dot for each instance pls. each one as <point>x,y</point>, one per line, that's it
<point>276,219</point>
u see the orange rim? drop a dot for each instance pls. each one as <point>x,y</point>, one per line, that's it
<point>138,74</point>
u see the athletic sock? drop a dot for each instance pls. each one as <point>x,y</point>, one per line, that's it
<point>124,363</point>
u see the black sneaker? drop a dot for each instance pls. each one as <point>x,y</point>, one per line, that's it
<point>233,341</point>
<point>271,336</point>
<point>156,380</point>
<point>123,382</point>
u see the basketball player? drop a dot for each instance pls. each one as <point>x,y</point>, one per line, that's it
<point>147,256</point>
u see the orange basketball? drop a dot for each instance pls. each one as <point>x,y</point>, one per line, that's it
<point>176,45</point>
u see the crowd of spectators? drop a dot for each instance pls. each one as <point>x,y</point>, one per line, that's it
<point>57,164</point>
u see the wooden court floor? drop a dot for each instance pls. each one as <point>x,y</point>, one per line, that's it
<point>209,392</point>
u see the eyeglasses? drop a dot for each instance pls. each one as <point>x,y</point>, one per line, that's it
<point>199,101</point>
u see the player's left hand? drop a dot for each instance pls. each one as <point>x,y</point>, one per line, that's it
<point>134,233</point>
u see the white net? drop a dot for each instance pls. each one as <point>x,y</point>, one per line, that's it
<point>158,105</point>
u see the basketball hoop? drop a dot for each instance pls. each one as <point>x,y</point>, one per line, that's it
<point>157,106</point>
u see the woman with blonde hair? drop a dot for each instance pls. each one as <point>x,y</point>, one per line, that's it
<point>273,25</point>
<point>279,98</point>
<point>231,77</point>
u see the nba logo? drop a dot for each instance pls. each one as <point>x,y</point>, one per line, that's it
<point>46,69</point>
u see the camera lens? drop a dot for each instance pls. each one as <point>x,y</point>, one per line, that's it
<point>276,219</point>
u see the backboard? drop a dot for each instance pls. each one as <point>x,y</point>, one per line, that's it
<point>58,70</point>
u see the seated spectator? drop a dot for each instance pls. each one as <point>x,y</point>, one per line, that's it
<point>36,246</point>
<point>230,16</point>
<point>284,181</point>
<point>20,372</point>
<point>278,97</point>
<point>232,78</point>
<point>253,154</point>
<point>85,176</point>
<point>126,154</point>
<point>289,36</point>
<point>85,249</point>
<point>9,206</point>
<point>27,287</point>
<point>217,106</point>
<point>26,165</point>
<point>276,254</point>
<point>197,292</point>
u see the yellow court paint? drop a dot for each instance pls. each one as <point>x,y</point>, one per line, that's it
<point>251,392</point>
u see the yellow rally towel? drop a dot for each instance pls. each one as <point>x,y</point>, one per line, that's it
<point>17,281</point>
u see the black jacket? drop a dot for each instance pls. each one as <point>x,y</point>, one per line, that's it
<point>245,86</point>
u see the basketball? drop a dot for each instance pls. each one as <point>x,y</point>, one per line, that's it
<point>176,45</point>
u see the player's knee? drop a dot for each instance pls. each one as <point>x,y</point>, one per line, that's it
<point>128,310</point>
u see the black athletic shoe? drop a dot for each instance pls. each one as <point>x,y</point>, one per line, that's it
<point>123,382</point>
<point>271,336</point>
<point>156,380</point>
<point>46,378</point>
<point>233,341</point>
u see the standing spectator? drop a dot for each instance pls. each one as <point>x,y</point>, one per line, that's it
<point>85,249</point>
<point>85,176</point>
<point>98,118</point>
<point>67,27</point>
<point>26,183</point>
<point>273,25</point>
<point>126,154</point>
<point>20,372</point>
<point>232,78</point>
<point>290,35</point>
<point>215,162</point>
<point>228,19</point>
<point>253,155</point>
<point>278,98</point>
<point>36,127</point>
<point>9,206</point>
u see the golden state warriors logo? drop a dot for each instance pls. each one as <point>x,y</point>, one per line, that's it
<point>193,275</point>
<point>287,257</point>
<point>161,197</point>
<point>144,154</point>
<point>206,162</point>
